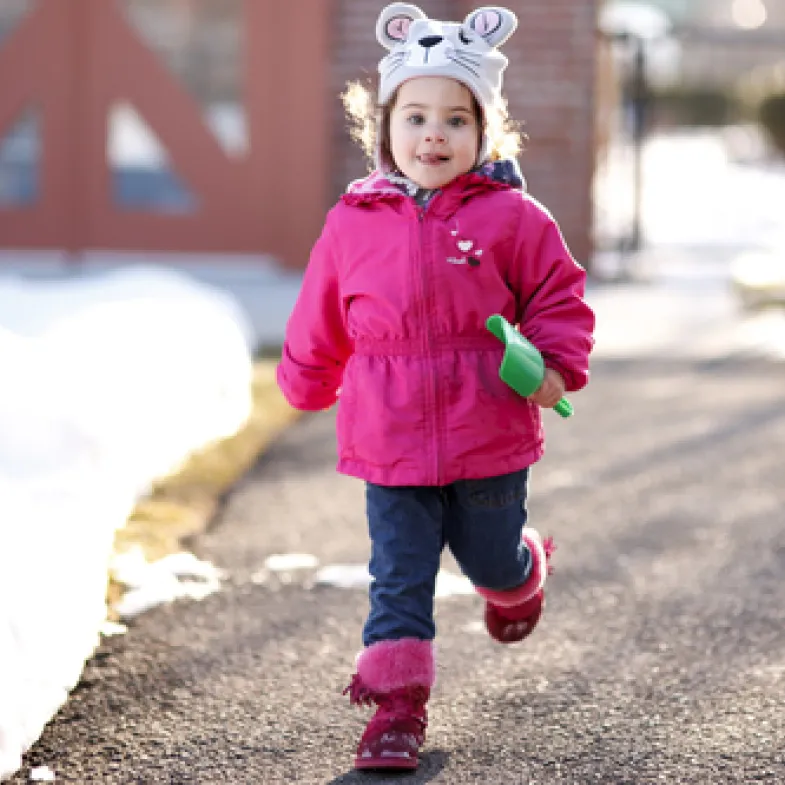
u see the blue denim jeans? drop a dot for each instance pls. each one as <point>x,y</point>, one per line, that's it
<point>480,521</point>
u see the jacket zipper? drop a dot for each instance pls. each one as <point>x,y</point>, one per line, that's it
<point>432,401</point>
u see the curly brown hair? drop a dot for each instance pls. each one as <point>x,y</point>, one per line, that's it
<point>369,125</point>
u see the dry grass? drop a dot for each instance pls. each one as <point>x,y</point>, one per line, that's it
<point>183,504</point>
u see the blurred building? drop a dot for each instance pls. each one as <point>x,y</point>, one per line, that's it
<point>748,14</point>
<point>216,126</point>
<point>724,40</point>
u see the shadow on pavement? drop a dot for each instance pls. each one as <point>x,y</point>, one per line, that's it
<point>432,763</point>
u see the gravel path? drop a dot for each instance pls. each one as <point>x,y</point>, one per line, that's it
<point>660,658</point>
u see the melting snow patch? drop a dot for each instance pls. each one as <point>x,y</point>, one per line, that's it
<point>344,576</point>
<point>282,562</point>
<point>42,774</point>
<point>174,577</point>
<point>356,576</point>
<point>450,585</point>
<point>110,628</point>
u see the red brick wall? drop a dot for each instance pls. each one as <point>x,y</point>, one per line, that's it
<point>549,84</point>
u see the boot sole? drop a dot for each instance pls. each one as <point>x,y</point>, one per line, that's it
<point>386,764</point>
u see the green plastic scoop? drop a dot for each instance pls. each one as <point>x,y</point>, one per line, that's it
<point>522,366</point>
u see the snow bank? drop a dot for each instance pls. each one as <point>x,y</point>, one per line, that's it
<point>106,384</point>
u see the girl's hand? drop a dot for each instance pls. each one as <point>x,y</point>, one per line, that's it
<point>550,391</point>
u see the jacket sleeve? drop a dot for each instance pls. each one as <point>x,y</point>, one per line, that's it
<point>316,344</point>
<point>550,287</point>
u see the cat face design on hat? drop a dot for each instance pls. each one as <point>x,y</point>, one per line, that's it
<point>465,51</point>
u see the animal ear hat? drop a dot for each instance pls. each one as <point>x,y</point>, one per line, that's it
<point>465,51</point>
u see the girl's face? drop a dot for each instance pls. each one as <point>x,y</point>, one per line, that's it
<point>434,132</point>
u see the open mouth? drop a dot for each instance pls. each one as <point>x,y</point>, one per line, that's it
<point>432,160</point>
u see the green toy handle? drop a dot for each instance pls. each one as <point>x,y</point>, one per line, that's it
<point>496,324</point>
<point>522,367</point>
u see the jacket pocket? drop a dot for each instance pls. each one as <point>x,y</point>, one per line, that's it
<point>501,404</point>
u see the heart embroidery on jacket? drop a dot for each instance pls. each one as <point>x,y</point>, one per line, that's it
<point>464,245</point>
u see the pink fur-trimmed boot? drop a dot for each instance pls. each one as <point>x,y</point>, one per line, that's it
<point>397,676</point>
<point>512,615</point>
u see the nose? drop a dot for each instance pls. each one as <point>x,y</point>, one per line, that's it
<point>430,40</point>
<point>434,133</point>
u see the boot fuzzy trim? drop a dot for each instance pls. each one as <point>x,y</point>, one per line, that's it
<point>508,598</point>
<point>390,665</point>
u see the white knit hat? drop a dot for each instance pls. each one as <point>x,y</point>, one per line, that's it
<point>426,47</point>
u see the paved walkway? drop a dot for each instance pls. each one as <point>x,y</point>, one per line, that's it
<point>661,656</point>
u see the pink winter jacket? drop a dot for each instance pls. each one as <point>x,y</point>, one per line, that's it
<point>390,322</point>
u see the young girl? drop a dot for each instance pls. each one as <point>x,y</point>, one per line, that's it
<point>390,322</point>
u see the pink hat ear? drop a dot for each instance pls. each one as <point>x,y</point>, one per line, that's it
<point>397,28</point>
<point>492,23</point>
<point>486,22</point>
<point>392,27</point>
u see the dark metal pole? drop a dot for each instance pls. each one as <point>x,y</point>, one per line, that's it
<point>639,101</point>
